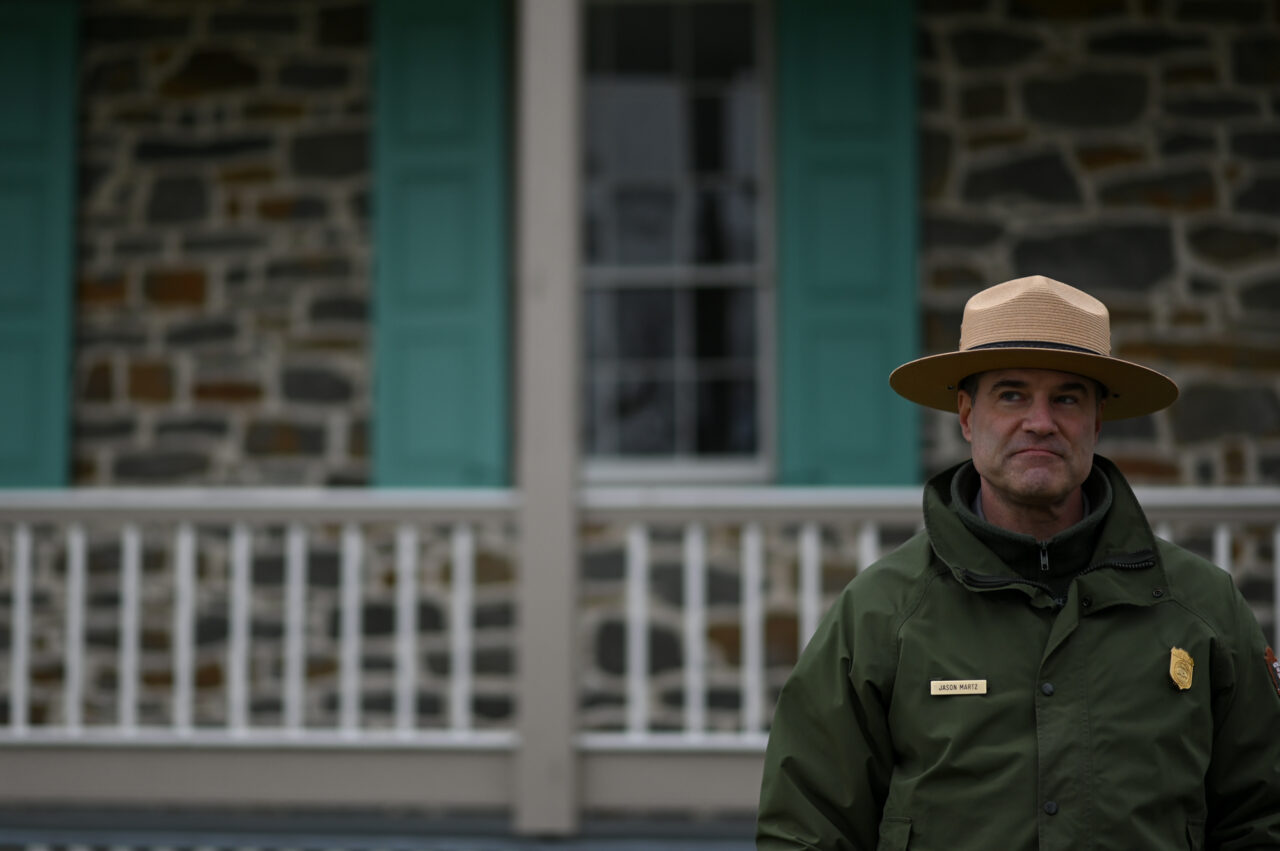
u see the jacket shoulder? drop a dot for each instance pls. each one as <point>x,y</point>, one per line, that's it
<point>1204,588</point>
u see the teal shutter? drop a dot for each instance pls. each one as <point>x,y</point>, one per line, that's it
<point>440,237</point>
<point>846,241</point>
<point>37,246</point>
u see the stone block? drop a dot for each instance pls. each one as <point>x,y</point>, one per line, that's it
<point>98,383</point>
<point>985,100</point>
<point>284,438</point>
<point>1096,157</point>
<point>1191,74</point>
<point>254,23</point>
<point>314,75</point>
<point>108,28</point>
<point>323,266</point>
<point>1260,196</point>
<point>211,72</point>
<point>339,308</point>
<point>1179,143</point>
<point>1212,107</point>
<point>296,209</point>
<point>333,155</point>
<point>273,109</point>
<point>1213,411</point>
<point>1041,178</point>
<point>241,175</point>
<point>610,642</point>
<point>1186,191</point>
<point>1262,295</point>
<point>111,428</point>
<point>184,287</point>
<point>1087,100</point>
<point>1229,246</point>
<point>159,467</point>
<point>177,200</point>
<point>113,77</point>
<point>1147,41</point>
<point>954,276</point>
<point>1108,256</point>
<point>936,152</point>
<point>1261,145</point>
<point>358,439</point>
<point>150,381</point>
<point>344,26</point>
<point>223,242</point>
<point>1067,10</point>
<point>202,332</point>
<point>229,391</point>
<point>316,385</point>
<point>192,427</point>
<point>106,290</point>
<point>159,149</point>
<point>989,47</point>
<point>959,231</point>
<point>133,247</point>
<point>1220,11</point>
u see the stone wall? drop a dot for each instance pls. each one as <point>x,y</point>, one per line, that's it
<point>222,331</point>
<point>1130,147</point>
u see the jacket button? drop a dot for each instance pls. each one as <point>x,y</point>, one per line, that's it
<point>1051,807</point>
<point>1157,592</point>
<point>1046,689</point>
<point>1086,602</point>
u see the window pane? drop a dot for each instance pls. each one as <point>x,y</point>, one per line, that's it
<point>645,324</point>
<point>723,40</point>
<point>643,38</point>
<point>646,417</point>
<point>725,323</point>
<point>708,134</point>
<point>646,221</point>
<point>726,417</point>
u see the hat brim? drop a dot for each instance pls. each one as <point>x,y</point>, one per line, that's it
<point>1132,390</point>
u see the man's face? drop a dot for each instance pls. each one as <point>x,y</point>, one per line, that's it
<point>1032,433</point>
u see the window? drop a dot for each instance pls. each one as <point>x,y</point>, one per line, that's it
<point>676,305</point>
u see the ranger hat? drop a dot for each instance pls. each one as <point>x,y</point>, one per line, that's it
<point>1036,323</point>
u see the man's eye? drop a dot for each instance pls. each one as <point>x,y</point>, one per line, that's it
<point>1010,396</point>
<point>1069,400</point>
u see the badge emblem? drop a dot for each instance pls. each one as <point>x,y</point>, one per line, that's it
<point>1180,667</point>
<point>1273,666</point>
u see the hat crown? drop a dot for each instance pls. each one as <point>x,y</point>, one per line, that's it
<point>1036,310</point>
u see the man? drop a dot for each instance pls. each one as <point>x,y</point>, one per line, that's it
<point>1034,670</point>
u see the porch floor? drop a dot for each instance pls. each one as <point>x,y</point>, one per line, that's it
<point>63,829</point>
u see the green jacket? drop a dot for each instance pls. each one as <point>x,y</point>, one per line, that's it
<point>1082,738</point>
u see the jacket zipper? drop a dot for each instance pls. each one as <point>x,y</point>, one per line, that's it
<point>1136,561</point>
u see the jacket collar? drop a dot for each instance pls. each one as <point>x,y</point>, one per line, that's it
<point>1121,563</point>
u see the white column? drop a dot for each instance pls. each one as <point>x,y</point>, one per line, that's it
<point>547,157</point>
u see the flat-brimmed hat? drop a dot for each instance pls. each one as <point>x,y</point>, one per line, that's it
<point>1036,323</point>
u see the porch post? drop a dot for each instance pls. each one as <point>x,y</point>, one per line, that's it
<point>547,142</point>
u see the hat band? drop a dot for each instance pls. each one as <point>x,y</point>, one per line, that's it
<point>1033,344</point>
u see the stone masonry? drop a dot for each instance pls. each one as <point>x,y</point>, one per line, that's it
<point>222,332</point>
<point>1131,147</point>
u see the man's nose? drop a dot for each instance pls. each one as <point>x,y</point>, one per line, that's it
<point>1039,417</point>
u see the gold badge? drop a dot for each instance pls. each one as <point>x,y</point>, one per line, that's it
<point>1180,667</point>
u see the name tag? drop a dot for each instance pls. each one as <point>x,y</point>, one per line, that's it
<point>942,688</point>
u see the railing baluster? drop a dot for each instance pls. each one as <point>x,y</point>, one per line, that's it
<point>637,629</point>
<point>1222,546</point>
<point>130,599</point>
<point>73,653</point>
<point>810,602</point>
<point>460,627</point>
<point>183,620</point>
<point>868,544</point>
<point>406,628</point>
<point>295,623</point>
<point>238,641</point>
<point>695,629</point>
<point>21,640</point>
<point>752,628</point>
<point>349,690</point>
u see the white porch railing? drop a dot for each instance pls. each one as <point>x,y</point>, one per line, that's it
<point>173,557</point>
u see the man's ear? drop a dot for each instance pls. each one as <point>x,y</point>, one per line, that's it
<point>964,405</point>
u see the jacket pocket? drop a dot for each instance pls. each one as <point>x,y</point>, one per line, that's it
<point>894,833</point>
<point>1195,834</point>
